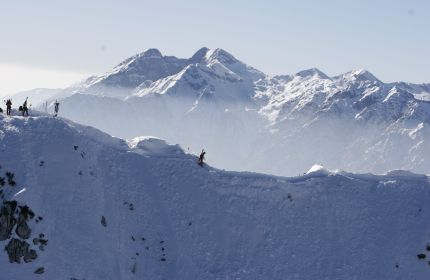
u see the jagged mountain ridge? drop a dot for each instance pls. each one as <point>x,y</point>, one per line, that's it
<point>214,100</point>
<point>152,73</point>
<point>356,94</point>
<point>149,66</point>
<point>142,74</point>
<point>144,209</point>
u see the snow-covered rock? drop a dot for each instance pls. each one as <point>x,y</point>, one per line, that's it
<point>153,146</point>
<point>317,169</point>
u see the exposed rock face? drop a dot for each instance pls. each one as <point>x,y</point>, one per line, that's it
<point>22,228</point>
<point>7,219</point>
<point>10,179</point>
<point>17,249</point>
<point>15,217</point>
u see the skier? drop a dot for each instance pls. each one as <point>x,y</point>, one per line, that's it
<point>57,106</point>
<point>8,107</point>
<point>25,108</point>
<point>202,157</point>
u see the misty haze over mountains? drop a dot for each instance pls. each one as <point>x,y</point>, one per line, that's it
<point>247,120</point>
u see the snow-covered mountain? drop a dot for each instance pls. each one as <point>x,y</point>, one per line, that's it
<point>352,121</point>
<point>142,70</point>
<point>247,120</point>
<point>77,203</point>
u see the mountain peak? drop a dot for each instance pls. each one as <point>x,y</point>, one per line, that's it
<point>221,55</point>
<point>150,53</point>
<point>361,74</point>
<point>199,55</point>
<point>311,73</point>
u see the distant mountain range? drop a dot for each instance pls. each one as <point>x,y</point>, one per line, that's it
<point>248,120</point>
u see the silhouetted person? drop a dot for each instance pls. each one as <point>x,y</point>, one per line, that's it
<point>8,107</point>
<point>25,108</point>
<point>56,107</point>
<point>202,158</point>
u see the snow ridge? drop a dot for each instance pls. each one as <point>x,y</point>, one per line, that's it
<point>144,209</point>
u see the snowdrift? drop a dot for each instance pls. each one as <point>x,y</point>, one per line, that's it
<point>91,206</point>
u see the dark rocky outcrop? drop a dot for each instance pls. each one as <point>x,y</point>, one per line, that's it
<point>14,218</point>
<point>7,219</point>
<point>27,212</point>
<point>103,221</point>
<point>18,249</point>
<point>40,270</point>
<point>10,179</point>
<point>41,242</point>
<point>22,228</point>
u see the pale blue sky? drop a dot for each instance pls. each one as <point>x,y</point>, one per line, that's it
<point>70,39</point>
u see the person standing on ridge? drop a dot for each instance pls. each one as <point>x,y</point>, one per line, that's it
<point>202,158</point>
<point>25,108</point>
<point>56,107</point>
<point>8,107</point>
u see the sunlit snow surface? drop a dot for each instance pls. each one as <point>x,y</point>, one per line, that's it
<point>168,218</point>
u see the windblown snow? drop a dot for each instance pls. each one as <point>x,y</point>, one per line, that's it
<point>91,206</point>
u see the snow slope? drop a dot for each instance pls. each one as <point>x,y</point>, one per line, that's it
<point>144,209</point>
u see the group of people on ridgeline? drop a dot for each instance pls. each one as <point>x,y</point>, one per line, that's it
<point>24,108</point>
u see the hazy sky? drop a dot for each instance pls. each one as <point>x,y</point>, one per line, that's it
<point>54,43</point>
